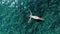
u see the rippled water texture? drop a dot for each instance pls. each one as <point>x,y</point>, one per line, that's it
<point>14,16</point>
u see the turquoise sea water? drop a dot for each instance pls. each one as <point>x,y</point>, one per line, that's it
<point>14,16</point>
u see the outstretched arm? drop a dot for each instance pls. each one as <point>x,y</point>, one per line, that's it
<point>30,16</point>
<point>30,13</point>
<point>29,19</point>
